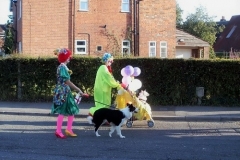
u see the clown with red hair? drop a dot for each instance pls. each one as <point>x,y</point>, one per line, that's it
<point>63,100</point>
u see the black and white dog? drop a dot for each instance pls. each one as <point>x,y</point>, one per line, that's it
<point>116,118</point>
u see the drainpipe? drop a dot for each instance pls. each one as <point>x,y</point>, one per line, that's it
<point>137,26</point>
<point>73,17</point>
<point>16,29</point>
<point>134,27</point>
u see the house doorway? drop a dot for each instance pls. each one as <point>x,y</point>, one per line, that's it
<point>195,53</point>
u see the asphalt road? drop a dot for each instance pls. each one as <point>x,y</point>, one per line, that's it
<point>32,138</point>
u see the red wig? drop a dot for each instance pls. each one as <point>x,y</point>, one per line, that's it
<point>63,54</point>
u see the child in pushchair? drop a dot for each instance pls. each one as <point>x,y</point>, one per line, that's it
<point>144,113</point>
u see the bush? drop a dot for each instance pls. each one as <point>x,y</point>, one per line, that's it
<point>169,81</point>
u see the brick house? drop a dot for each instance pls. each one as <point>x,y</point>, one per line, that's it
<point>144,28</point>
<point>229,39</point>
<point>2,36</point>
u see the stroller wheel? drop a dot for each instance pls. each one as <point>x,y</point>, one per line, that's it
<point>129,124</point>
<point>150,123</point>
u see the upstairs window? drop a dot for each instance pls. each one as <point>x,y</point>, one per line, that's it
<point>83,5</point>
<point>152,49</point>
<point>163,49</point>
<point>125,6</point>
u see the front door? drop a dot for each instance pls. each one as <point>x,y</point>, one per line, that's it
<point>195,53</point>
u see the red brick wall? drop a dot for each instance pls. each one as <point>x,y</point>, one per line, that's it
<point>1,43</point>
<point>2,33</point>
<point>47,25</point>
<point>157,23</point>
<point>104,12</point>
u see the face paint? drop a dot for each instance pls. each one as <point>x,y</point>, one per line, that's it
<point>68,60</point>
<point>109,62</point>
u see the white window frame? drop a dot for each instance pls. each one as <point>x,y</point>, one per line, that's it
<point>83,5</point>
<point>126,47</point>
<point>19,47</point>
<point>163,46</point>
<point>80,46</point>
<point>152,48</point>
<point>125,6</point>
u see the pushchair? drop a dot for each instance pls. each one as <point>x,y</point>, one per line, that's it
<point>144,112</point>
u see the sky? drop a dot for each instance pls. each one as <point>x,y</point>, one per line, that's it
<point>214,8</point>
<point>4,11</point>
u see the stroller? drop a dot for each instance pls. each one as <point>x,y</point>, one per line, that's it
<point>144,112</point>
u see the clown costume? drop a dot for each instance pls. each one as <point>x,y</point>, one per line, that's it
<point>104,83</point>
<point>63,100</point>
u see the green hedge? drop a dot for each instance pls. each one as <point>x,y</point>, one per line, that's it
<point>169,81</point>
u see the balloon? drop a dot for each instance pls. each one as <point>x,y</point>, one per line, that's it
<point>135,85</point>
<point>128,70</point>
<point>123,72</point>
<point>126,80</point>
<point>137,71</point>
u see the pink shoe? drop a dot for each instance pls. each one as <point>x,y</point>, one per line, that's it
<point>60,135</point>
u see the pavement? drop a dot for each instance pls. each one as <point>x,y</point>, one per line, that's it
<point>164,113</point>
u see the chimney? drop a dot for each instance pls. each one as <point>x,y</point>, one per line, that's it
<point>223,19</point>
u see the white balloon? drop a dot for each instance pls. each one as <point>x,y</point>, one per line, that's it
<point>126,80</point>
<point>135,85</point>
<point>123,72</point>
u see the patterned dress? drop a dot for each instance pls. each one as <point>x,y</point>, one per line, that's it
<point>63,100</point>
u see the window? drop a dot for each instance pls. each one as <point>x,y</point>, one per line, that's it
<point>163,49</point>
<point>81,47</point>
<point>99,48</point>
<point>125,6</point>
<point>152,49</point>
<point>125,47</point>
<point>232,30</point>
<point>19,47</point>
<point>83,5</point>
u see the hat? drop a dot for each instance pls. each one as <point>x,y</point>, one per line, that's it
<point>106,57</point>
<point>63,54</point>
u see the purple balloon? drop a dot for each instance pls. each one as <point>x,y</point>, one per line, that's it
<point>128,70</point>
<point>137,71</point>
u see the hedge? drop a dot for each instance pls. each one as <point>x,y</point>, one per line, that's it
<point>168,81</point>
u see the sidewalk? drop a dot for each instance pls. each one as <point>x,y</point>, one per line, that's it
<point>166,113</point>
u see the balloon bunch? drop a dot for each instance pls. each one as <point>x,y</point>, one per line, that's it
<point>128,79</point>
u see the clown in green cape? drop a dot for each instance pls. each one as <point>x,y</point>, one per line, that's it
<point>104,83</point>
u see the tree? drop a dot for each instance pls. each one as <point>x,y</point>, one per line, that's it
<point>179,19</point>
<point>9,39</point>
<point>202,26</point>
